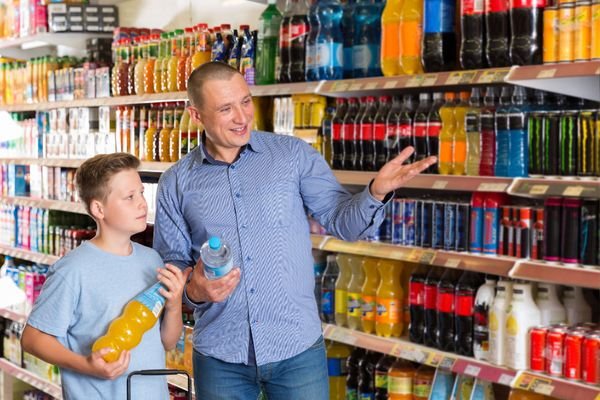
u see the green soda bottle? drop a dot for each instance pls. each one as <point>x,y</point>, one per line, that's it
<point>267,59</point>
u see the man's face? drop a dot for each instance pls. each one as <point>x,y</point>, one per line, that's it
<point>227,114</point>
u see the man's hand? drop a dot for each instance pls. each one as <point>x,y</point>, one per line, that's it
<point>201,289</point>
<point>395,173</point>
<point>101,369</point>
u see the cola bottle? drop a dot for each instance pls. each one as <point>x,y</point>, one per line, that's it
<point>381,376</point>
<point>430,306</point>
<point>284,44</point>
<point>366,153</point>
<point>299,29</point>
<point>472,34</point>
<point>434,126</point>
<point>439,37</point>
<point>445,310</point>
<point>497,27</point>
<point>337,123</point>
<point>366,378</point>
<point>379,132</point>
<point>392,130</point>
<point>466,289</point>
<point>526,29</point>
<point>353,372</point>
<point>420,127</point>
<point>348,131</point>
<point>328,279</point>
<point>406,124</point>
<point>416,300</point>
<point>487,119</point>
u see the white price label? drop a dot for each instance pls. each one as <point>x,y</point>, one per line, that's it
<point>547,73</point>
<point>439,185</point>
<point>340,87</point>
<point>356,86</point>
<point>371,85</point>
<point>472,370</point>
<point>505,379</point>
<point>430,80</point>
<point>452,263</point>
<point>538,189</point>
<point>542,387</point>
<point>573,191</point>
<point>492,187</point>
<point>390,85</point>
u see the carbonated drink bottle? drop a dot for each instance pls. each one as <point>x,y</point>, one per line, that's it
<point>523,314</point>
<point>379,132</point>
<point>497,27</point>
<point>369,293</point>
<point>330,276</point>
<point>353,371</point>
<point>503,134</point>
<point>392,134</point>
<point>337,354</point>
<point>390,38</point>
<point>126,331</point>
<point>319,264</point>
<point>446,147</point>
<point>518,140</point>
<point>411,32</point>
<point>420,127</point>
<point>366,154</point>
<point>337,123</point>
<point>483,302</point>
<point>268,35</point>
<point>330,57</point>
<point>439,39</point>
<point>354,292</point>
<point>341,289</point>
<point>299,30</point>
<point>381,376</point>
<point>526,28</point>
<point>312,73</point>
<point>551,310</point>
<point>367,39</point>
<point>366,377</point>
<point>247,57</point>
<point>459,148</point>
<point>416,288</point>
<point>434,126</point>
<point>488,133</point>
<point>466,289</point>
<point>472,28</point>
<point>400,380</point>
<point>348,30</point>
<point>497,321</point>
<point>445,310</point>
<point>388,321</point>
<point>283,70</point>
<point>431,291</point>
<point>405,138</point>
<point>473,133</point>
<point>348,134</point>
<point>217,258</point>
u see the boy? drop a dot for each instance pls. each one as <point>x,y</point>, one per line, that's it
<point>90,286</point>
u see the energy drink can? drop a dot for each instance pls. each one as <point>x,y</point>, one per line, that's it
<point>476,222</point>
<point>491,212</point>
<point>589,232</point>
<point>505,237</point>
<point>570,227</point>
<point>536,141</point>
<point>426,223</point>
<point>386,227</point>
<point>450,226</point>
<point>409,213</point>
<point>583,30</point>
<point>537,235</point>
<point>552,222</point>
<point>551,140</point>
<point>437,232</point>
<point>550,52</point>
<point>568,144</point>
<point>587,150</point>
<point>523,233</point>
<point>463,211</point>
<point>418,222</point>
<point>566,36</point>
<point>398,221</point>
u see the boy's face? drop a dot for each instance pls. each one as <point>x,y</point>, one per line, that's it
<point>125,209</point>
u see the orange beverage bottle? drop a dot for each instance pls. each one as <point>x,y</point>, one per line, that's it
<point>411,31</point>
<point>389,320</point>
<point>174,134</point>
<point>163,50</point>
<point>390,38</point>
<point>446,138</point>
<point>423,382</point>
<point>180,80</point>
<point>189,46</point>
<point>140,65</point>
<point>459,156</point>
<point>203,49</point>
<point>126,331</point>
<point>114,76</point>
<point>165,132</point>
<point>518,394</point>
<point>400,380</point>
<point>134,55</point>
<point>369,293</point>
<point>355,292</point>
<point>175,140</point>
<point>173,63</point>
<point>150,65</point>
<point>153,117</point>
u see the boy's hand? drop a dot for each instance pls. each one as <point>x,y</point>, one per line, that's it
<point>201,289</point>
<point>174,280</point>
<point>102,369</point>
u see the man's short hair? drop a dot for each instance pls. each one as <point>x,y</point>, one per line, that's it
<point>213,70</point>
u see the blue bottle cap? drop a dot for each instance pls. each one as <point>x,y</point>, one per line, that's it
<point>214,243</point>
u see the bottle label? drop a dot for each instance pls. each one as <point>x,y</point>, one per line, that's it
<point>341,301</point>
<point>337,131</point>
<point>388,310</point>
<point>335,367</point>
<point>365,56</point>
<point>380,130</point>
<point>351,394</point>
<point>421,388</point>
<point>284,36</point>
<point>411,38</point>
<point>214,272</point>
<point>445,302</point>
<point>390,48</point>
<point>298,31</point>
<point>354,309</point>
<point>347,132</point>
<point>445,151</point>
<point>367,396</point>
<point>439,16</point>
<point>464,305</point>
<point>417,293</point>
<point>420,129</point>
<point>381,380</point>
<point>327,302</point>
<point>152,299</point>
<point>366,131</point>
<point>496,6</point>
<point>433,129</point>
<point>311,56</point>
<point>329,55</point>
<point>430,299</point>
<point>472,7</point>
<point>400,385</point>
<point>368,308</point>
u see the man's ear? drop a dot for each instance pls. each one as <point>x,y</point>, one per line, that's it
<point>195,115</point>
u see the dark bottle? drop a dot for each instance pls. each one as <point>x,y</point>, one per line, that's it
<point>439,37</point>
<point>348,131</point>
<point>487,119</point>
<point>392,130</point>
<point>419,134</point>
<point>434,126</point>
<point>466,289</point>
<point>445,310</point>
<point>348,32</point>
<point>379,132</point>
<point>283,74</point>
<point>472,27</point>
<point>406,124</point>
<point>526,27</point>
<point>381,376</point>
<point>497,27</point>
<point>416,301</point>
<point>337,124</point>
<point>366,378</point>
<point>430,306</point>
<point>353,372</point>
<point>366,153</point>
<point>330,275</point>
<point>326,133</point>
<point>298,33</point>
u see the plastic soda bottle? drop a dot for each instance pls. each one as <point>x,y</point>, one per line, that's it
<point>330,276</point>
<point>473,134</point>
<point>354,292</point>
<point>459,154</point>
<point>367,39</point>
<point>447,135</point>
<point>381,376</point>
<point>400,380</point>
<point>341,286</point>
<point>411,31</point>
<point>481,333</point>
<point>389,321</point>
<point>268,35</point>
<point>217,258</point>
<point>126,331</point>
<point>337,353</point>
<point>390,38</point>
<point>369,291</point>
<point>348,29</point>
<point>422,382</point>
<point>330,58</point>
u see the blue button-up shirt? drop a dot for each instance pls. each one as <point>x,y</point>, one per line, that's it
<point>258,204</point>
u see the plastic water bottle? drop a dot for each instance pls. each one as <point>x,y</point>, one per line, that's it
<point>330,59</point>
<point>348,30</point>
<point>216,257</point>
<point>367,39</point>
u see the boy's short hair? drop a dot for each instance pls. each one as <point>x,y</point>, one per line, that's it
<point>93,175</point>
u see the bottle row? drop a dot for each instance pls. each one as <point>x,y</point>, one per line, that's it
<point>28,277</point>
<point>512,133</point>
<point>448,309</point>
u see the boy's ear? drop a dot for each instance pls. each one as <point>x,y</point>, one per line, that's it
<point>97,209</point>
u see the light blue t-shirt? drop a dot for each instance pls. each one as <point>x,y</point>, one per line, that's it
<point>87,289</point>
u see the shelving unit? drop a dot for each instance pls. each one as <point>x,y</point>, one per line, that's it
<point>13,315</point>
<point>28,255</point>
<point>37,45</point>
<point>547,187</point>
<point>68,206</point>
<point>37,382</point>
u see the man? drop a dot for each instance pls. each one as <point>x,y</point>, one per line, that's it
<point>258,327</point>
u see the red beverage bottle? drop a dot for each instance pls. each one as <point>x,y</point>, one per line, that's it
<point>337,124</point>
<point>464,309</point>
<point>379,133</point>
<point>488,133</point>
<point>348,133</point>
<point>366,157</point>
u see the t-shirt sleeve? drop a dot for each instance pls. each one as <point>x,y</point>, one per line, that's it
<point>54,309</point>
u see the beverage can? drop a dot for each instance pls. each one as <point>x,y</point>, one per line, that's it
<point>426,223</point>
<point>555,344</point>
<point>552,229</point>
<point>409,216</point>
<point>566,37</point>
<point>437,233</point>
<point>573,354</point>
<point>450,220</point>
<point>590,370</point>
<point>537,351</point>
<point>583,31</point>
<point>506,231</point>
<point>463,211</point>
<point>398,221</point>
<point>523,233</point>
<point>537,234</point>
<point>476,223</point>
<point>550,53</point>
<point>571,219</point>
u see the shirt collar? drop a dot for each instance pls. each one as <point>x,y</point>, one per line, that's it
<point>201,155</point>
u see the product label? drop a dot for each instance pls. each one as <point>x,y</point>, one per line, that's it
<point>445,302</point>
<point>379,130</point>
<point>297,31</point>
<point>389,41</point>
<point>421,388</point>
<point>341,301</point>
<point>411,32</point>
<point>335,367</point>
<point>152,299</point>
<point>336,130</point>
<point>365,56</point>
<point>400,385</point>
<point>366,131</point>
<point>446,148</point>
<point>328,55</point>
<point>472,7</point>
<point>490,231</point>
<point>327,302</point>
<point>366,396</point>
<point>496,6</point>
<point>368,308</point>
<point>311,57</point>
<point>405,130</point>
<point>433,129</point>
<point>430,299</point>
<point>420,129</point>
<point>347,132</point>
<point>464,305</point>
<point>388,310</point>
<point>439,16</point>
<point>284,35</point>
<point>417,293</point>
<point>216,272</point>
<point>381,380</point>
<point>353,304</point>
<point>351,394</point>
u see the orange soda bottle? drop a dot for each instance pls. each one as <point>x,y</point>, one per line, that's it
<point>150,65</point>
<point>423,382</point>
<point>140,65</point>
<point>163,50</point>
<point>173,62</point>
<point>355,293</point>
<point>446,146</point>
<point>389,320</point>
<point>189,46</point>
<point>341,289</point>
<point>459,155</point>
<point>369,293</point>
<point>149,133</point>
<point>390,38</point>
<point>400,380</point>
<point>411,31</point>
<point>126,331</point>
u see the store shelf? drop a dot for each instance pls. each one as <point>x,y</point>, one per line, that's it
<point>546,187</point>
<point>25,47</point>
<point>555,387</point>
<point>180,381</point>
<point>37,382</point>
<point>28,255</point>
<point>13,315</point>
<point>68,206</point>
<point>574,79</point>
<point>145,166</point>
<point>283,89</point>
<point>564,275</point>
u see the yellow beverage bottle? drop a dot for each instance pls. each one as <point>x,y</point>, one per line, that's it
<point>337,353</point>
<point>203,49</point>
<point>411,31</point>
<point>126,331</point>
<point>446,138</point>
<point>341,289</point>
<point>163,49</point>
<point>173,61</point>
<point>189,45</point>
<point>140,65</point>
<point>390,38</point>
<point>114,83</point>
<point>166,61</point>
<point>407,270</point>
<point>150,64</point>
<point>149,134</point>
<point>459,155</point>
<point>354,292</point>
<point>400,380</point>
<point>175,140</point>
<point>389,320</point>
<point>165,133</point>
<point>369,293</point>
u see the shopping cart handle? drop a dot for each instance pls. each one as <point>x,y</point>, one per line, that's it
<point>157,372</point>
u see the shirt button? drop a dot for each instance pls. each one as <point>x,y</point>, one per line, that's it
<point>232,167</point>
<point>238,195</point>
<point>248,258</point>
<point>252,291</point>
<point>244,226</point>
<point>371,207</point>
